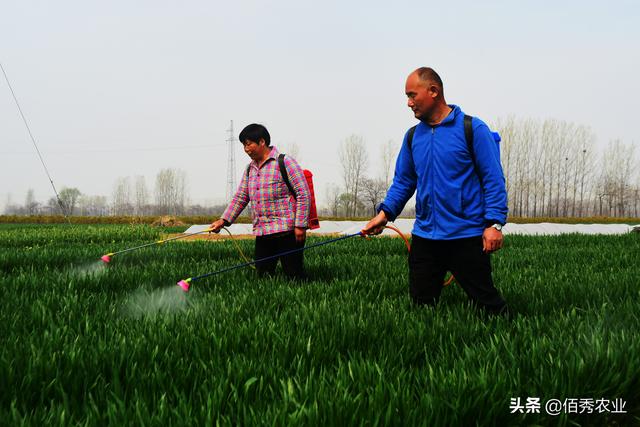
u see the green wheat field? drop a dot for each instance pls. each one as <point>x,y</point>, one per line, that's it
<point>85,343</point>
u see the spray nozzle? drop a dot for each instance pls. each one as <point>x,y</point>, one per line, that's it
<point>184,284</point>
<point>106,258</point>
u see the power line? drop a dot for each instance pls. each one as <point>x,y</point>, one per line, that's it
<point>24,119</point>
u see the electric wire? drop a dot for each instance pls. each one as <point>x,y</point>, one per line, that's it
<point>33,140</point>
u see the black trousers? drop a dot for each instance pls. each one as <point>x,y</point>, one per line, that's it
<point>430,260</point>
<point>273,244</point>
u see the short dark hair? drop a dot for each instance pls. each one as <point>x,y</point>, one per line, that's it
<point>429,74</point>
<point>254,132</point>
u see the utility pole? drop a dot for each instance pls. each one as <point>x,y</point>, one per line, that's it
<point>231,165</point>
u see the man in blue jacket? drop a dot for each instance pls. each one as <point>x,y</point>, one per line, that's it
<point>461,201</point>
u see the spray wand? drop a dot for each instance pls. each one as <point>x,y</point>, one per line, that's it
<point>185,283</point>
<point>107,257</point>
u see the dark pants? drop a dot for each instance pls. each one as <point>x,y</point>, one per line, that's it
<point>273,244</point>
<point>430,260</point>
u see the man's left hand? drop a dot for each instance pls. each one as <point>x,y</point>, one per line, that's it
<point>301,234</point>
<point>491,240</point>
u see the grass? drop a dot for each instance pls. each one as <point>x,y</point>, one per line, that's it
<point>89,345</point>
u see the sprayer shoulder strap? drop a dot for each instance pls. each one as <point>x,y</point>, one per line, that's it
<point>285,174</point>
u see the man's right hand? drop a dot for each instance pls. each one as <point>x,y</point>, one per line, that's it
<point>376,224</point>
<point>216,226</point>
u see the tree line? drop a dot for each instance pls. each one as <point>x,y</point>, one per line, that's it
<point>551,167</point>
<point>130,196</point>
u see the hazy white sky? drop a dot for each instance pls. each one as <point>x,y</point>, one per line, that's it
<point>125,88</point>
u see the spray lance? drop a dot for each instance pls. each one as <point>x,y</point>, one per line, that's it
<point>107,257</point>
<point>184,284</point>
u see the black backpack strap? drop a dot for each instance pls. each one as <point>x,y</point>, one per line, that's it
<point>410,137</point>
<point>285,174</point>
<point>468,136</point>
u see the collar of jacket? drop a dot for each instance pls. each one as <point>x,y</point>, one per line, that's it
<point>455,111</point>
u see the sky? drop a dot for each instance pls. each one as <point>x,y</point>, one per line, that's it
<point>127,88</point>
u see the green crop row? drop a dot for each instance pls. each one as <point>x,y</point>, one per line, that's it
<point>86,343</point>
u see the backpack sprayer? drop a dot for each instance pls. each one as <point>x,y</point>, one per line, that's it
<point>107,257</point>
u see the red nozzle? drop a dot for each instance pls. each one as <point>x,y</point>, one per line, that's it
<point>184,285</point>
<point>105,258</point>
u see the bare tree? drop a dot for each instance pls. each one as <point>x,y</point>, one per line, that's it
<point>614,189</point>
<point>8,204</point>
<point>373,192</point>
<point>93,205</point>
<point>547,166</point>
<point>30,203</point>
<point>622,158</point>
<point>141,196</point>
<point>121,197</point>
<point>636,196</point>
<point>69,199</point>
<point>389,152</point>
<point>353,158</point>
<point>583,154</point>
<point>171,191</point>
<point>332,192</point>
<point>53,207</point>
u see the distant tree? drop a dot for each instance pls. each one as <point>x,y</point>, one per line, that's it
<point>332,194</point>
<point>8,204</point>
<point>373,192</point>
<point>141,196</point>
<point>121,197</point>
<point>548,166</point>
<point>583,170</point>
<point>69,199</point>
<point>615,184</point>
<point>636,197</point>
<point>171,191</point>
<point>93,205</point>
<point>30,203</point>
<point>345,204</point>
<point>53,207</point>
<point>353,158</point>
<point>389,153</point>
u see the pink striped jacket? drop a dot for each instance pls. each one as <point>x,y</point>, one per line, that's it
<point>273,208</point>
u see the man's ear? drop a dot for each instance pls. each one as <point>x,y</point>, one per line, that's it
<point>434,91</point>
<point>262,142</point>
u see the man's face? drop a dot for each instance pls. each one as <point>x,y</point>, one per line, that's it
<point>420,96</point>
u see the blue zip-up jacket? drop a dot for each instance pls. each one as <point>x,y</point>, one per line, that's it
<point>455,199</point>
